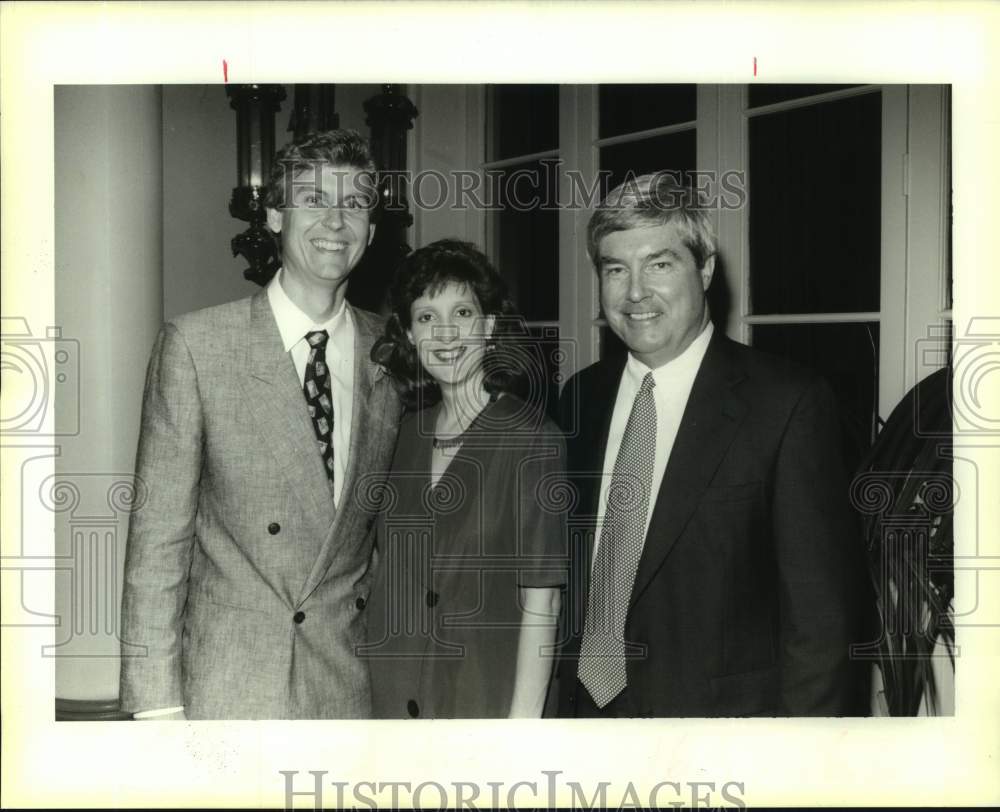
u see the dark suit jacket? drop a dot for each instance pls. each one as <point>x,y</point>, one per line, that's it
<point>752,583</point>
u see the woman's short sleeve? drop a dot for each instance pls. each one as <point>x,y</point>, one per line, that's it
<point>544,499</point>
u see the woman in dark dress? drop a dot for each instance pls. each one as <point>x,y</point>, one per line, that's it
<point>471,543</point>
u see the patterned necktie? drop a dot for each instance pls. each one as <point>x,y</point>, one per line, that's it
<point>602,650</point>
<point>316,387</point>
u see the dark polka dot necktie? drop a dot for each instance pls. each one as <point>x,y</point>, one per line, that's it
<point>316,387</point>
<point>602,650</point>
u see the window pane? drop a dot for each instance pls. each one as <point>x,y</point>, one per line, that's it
<point>534,358</point>
<point>815,183</point>
<point>527,238</point>
<point>759,95</point>
<point>846,355</point>
<point>523,119</point>
<point>631,108</point>
<point>540,355</point>
<point>663,152</point>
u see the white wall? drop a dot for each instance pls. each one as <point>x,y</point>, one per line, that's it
<point>199,172</point>
<point>447,135</point>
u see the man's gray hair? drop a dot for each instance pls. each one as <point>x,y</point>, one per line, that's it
<point>653,200</point>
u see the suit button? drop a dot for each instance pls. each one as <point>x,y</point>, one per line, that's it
<point>360,603</point>
<point>413,709</point>
<point>298,617</point>
<point>274,528</point>
<point>432,598</point>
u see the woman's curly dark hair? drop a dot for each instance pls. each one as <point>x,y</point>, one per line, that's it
<point>426,271</point>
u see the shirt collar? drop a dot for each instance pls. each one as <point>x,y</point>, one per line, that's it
<point>682,368</point>
<point>293,324</point>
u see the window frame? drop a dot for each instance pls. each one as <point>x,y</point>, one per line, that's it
<point>916,141</point>
<point>490,218</point>
<point>915,228</point>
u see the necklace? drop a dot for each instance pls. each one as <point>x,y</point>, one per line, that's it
<point>454,442</point>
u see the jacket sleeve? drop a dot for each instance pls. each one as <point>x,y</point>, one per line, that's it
<point>821,571</point>
<point>543,499</point>
<point>161,533</point>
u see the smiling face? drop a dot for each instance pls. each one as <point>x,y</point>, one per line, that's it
<point>325,231</point>
<point>652,291</point>
<point>450,332</point>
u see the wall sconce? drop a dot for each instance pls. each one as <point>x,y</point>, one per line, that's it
<point>255,106</point>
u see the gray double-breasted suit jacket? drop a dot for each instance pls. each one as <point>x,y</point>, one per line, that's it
<point>245,587</point>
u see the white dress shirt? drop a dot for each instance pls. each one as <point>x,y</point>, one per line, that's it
<point>293,325</point>
<point>673,388</point>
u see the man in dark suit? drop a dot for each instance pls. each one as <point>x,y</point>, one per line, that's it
<point>247,569</point>
<point>716,567</point>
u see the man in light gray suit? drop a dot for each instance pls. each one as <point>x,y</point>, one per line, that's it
<point>248,567</point>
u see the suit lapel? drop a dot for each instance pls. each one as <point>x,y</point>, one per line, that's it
<point>596,412</point>
<point>275,399</point>
<point>708,426</point>
<point>364,377</point>
<point>596,406</point>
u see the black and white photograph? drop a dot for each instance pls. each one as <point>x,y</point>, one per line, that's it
<point>519,435</point>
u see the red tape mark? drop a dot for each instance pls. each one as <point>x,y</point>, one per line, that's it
<point>225,70</point>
